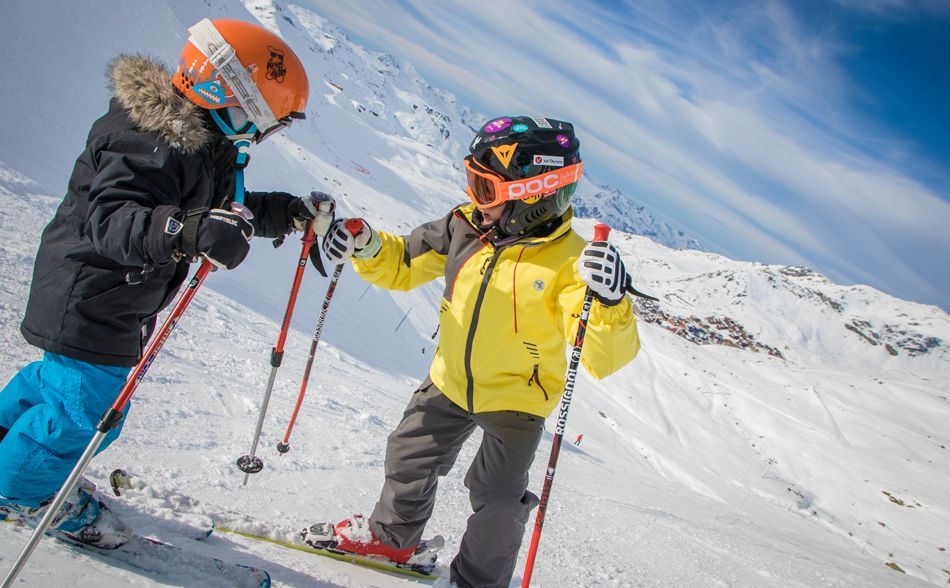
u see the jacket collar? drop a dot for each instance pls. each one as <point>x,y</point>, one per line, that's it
<point>467,211</point>
<point>143,87</point>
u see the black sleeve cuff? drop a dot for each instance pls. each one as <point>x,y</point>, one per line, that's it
<point>608,303</point>
<point>271,215</point>
<point>163,233</point>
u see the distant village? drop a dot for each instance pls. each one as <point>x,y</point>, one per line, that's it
<point>712,330</point>
<point>722,330</point>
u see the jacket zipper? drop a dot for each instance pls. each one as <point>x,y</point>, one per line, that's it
<point>536,378</point>
<point>469,342</point>
<point>514,288</point>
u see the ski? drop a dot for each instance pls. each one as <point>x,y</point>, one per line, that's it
<point>161,508</point>
<point>369,562</point>
<point>170,562</point>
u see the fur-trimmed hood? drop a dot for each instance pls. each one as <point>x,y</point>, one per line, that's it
<point>143,86</point>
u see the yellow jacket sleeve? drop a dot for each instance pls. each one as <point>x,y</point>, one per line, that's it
<point>403,263</point>
<point>612,339</point>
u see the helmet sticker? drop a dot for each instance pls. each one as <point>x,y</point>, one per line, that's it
<point>213,90</point>
<point>555,160</point>
<point>276,70</point>
<point>533,199</point>
<point>541,122</point>
<point>563,141</point>
<point>504,153</point>
<point>520,128</point>
<point>497,125</point>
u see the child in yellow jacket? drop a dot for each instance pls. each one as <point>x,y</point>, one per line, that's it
<point>515,277</point>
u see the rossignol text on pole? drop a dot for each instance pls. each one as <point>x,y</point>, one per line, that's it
<point>601,232</point>
<point>250,463</point>
<point>354,226</point>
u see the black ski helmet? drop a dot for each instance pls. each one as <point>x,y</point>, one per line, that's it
<point>519,147</point>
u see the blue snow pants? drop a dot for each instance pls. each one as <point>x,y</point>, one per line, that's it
<point>50,410</point>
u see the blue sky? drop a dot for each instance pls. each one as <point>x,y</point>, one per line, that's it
<point>811,133</point>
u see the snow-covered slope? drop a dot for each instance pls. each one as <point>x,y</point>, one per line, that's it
<point>807,448</point>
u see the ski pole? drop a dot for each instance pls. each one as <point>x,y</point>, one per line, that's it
<point>354,226</point>
<point>113,416</point>
<point>250,463</point>
<point>601,232</point>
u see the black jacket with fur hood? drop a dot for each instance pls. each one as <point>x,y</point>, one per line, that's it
<point>105,265</point>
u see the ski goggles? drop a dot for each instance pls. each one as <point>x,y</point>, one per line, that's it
<point>488,189</point>
<point>237,124</point>
<point>282,124</point>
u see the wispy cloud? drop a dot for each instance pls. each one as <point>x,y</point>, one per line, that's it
<point>736,123</point>
<point>898,8</point>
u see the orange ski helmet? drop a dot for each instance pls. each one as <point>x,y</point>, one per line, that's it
<point>246,69</point>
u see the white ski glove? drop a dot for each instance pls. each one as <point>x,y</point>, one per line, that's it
<point>601,268</point>
<point>318,207</point>
<point>340,244</point>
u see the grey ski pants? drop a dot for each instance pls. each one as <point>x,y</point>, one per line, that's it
<point>425,446</point>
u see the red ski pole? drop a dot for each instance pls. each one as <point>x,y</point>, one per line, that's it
<point>111,418</point>
<point>601,232</point>
<point>354,226</point>
<point>250,463</point>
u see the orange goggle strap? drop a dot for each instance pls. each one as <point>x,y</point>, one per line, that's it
<point>206,37</point>
<point>524,188</point>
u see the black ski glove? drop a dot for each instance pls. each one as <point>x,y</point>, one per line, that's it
<point>223,238</point>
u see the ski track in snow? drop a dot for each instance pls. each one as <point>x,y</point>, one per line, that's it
<point>700,465</point>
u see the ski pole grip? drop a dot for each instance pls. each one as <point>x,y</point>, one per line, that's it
<point>354,225</point>
<point>238,208</point>
<point>601,232</point>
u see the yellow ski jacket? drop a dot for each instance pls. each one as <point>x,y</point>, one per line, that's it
<point>507,313</point>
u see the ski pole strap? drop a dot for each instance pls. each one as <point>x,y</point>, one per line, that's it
<point>189,231</point>
<point>317,260</point>
<point>640,294</point>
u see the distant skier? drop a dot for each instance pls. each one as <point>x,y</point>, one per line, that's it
<point>149,194</point>
<point>515,276</point>
<point>580,437</point>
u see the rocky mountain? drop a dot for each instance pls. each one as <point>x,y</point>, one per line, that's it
<point>622,212</point>
<point>390,96</point>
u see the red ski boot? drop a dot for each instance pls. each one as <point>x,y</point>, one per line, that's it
<point>353,536</point>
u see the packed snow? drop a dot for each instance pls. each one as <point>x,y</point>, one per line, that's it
<point>776,429</point>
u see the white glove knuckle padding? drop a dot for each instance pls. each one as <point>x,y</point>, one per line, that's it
<point>601,267</point>
<point>339,243</point>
